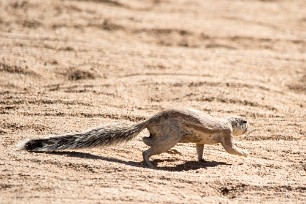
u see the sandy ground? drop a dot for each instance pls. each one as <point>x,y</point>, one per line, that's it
<point>71,65</point>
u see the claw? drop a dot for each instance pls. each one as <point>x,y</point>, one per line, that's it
<point>203,161</point>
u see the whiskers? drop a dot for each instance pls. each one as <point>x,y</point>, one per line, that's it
<point>249,131</point>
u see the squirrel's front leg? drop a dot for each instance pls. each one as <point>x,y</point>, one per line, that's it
<point>231,148</point>
<point>200,150</point>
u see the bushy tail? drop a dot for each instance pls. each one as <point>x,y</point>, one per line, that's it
<point>96,137</point>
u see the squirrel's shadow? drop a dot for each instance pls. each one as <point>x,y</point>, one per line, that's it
<point>189,165</point>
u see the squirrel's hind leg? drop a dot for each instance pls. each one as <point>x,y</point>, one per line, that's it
<point>158,146</point>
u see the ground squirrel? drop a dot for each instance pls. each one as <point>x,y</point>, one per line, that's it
<point>166,128</point>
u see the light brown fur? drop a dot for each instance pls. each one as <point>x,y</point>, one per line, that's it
<point>166,129</point>
<point>192,126</point>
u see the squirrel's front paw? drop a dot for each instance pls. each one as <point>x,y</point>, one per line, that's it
<point>244,153</point>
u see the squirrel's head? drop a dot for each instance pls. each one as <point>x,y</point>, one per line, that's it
<point>239,125</point>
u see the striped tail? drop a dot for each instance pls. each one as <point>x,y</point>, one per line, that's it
<point>101,136</point>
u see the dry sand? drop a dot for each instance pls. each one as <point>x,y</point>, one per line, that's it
<point>70,65</point>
